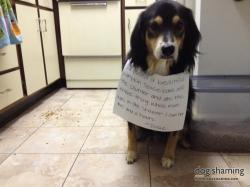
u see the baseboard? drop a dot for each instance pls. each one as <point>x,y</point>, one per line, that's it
<point>12,111</point>
<point>92,83</point>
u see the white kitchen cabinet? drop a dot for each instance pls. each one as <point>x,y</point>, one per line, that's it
<point>91,30</point>
<point>131,16</point>
<point>46,3</point>
<point>138,2</point>
<point>8,58</point>
<point>49,45</point>
<point>10,88</point>
<point>31,48</point>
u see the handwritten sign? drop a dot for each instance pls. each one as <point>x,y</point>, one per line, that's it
<point>152,101</point>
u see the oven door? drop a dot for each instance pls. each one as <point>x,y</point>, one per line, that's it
<point>90,28</point>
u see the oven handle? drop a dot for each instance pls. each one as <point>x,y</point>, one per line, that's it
<point>89,3</point>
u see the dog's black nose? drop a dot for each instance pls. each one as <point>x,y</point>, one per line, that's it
<point>167,50</point>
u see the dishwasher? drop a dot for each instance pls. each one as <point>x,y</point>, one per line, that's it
<point>91,43</point>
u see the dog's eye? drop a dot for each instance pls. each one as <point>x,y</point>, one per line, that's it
<point>179,27</point>
<point>154,27</point>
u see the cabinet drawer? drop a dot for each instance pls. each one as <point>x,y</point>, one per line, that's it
<point>10,88</point>
<point>93,68</point>
<point>8,58</point>
<point>46,3</point>
<point>91,30</point>
<point>138,2</point>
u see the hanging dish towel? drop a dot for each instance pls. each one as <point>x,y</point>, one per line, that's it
<point>9,30</point>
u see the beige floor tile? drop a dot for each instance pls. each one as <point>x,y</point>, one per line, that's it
<point>30,118</point>
<point>108,171</point>
<point>50,104</point>
<point>55,140</point>
<point>108,118</point>
<point>62,93</point>
<point>52,101</point>
<point>182,173</point>
<point>109,140</point>
<point>158,142</point>
<point>73,118</point>
<point>12,137</point>
<point>78,103</point>
<point>3,157</point>
<point>27,170</point>
<point>240,162</point>
<point>92,95</point>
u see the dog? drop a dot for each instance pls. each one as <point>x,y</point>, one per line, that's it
<point>164,41</point>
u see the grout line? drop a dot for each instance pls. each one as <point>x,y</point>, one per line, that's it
<point>149,168</point>
<point>221,154</point>
<point>85,139</point>
<point>8,155</point>
<point>228,165</point>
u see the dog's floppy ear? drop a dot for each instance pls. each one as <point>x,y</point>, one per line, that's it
<point>191,41</point>
<point>138,51</point>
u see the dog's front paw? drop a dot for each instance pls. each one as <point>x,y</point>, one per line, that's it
<point>167,162</point>
<point>131,157</point>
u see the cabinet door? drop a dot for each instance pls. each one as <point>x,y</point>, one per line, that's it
<point>131,16</point>
<point>10,88</point>
<point>8,58</point>
<point>46,3</point>
<point>49,45</point>
<point>31,48</point>
<point>138,2</point>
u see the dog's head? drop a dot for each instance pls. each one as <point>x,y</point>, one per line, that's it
<point>165,31</point>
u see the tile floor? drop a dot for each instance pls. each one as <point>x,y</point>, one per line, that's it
<point>71,138</point>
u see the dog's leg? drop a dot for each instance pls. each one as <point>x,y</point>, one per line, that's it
<point>169,153</point>
<point>132,144</point>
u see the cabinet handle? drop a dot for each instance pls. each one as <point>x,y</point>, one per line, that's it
<point>46,30</point>
<point>3,54</point>
<point>4,91</point>
<point>38,21</point>
<point>44,21</point>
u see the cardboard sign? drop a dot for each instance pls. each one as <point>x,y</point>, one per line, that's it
<point>152,101</point>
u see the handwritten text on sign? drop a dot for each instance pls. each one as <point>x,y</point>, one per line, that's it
<point>152,101</point>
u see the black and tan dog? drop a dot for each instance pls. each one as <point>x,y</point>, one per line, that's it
<point>164,41</point>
